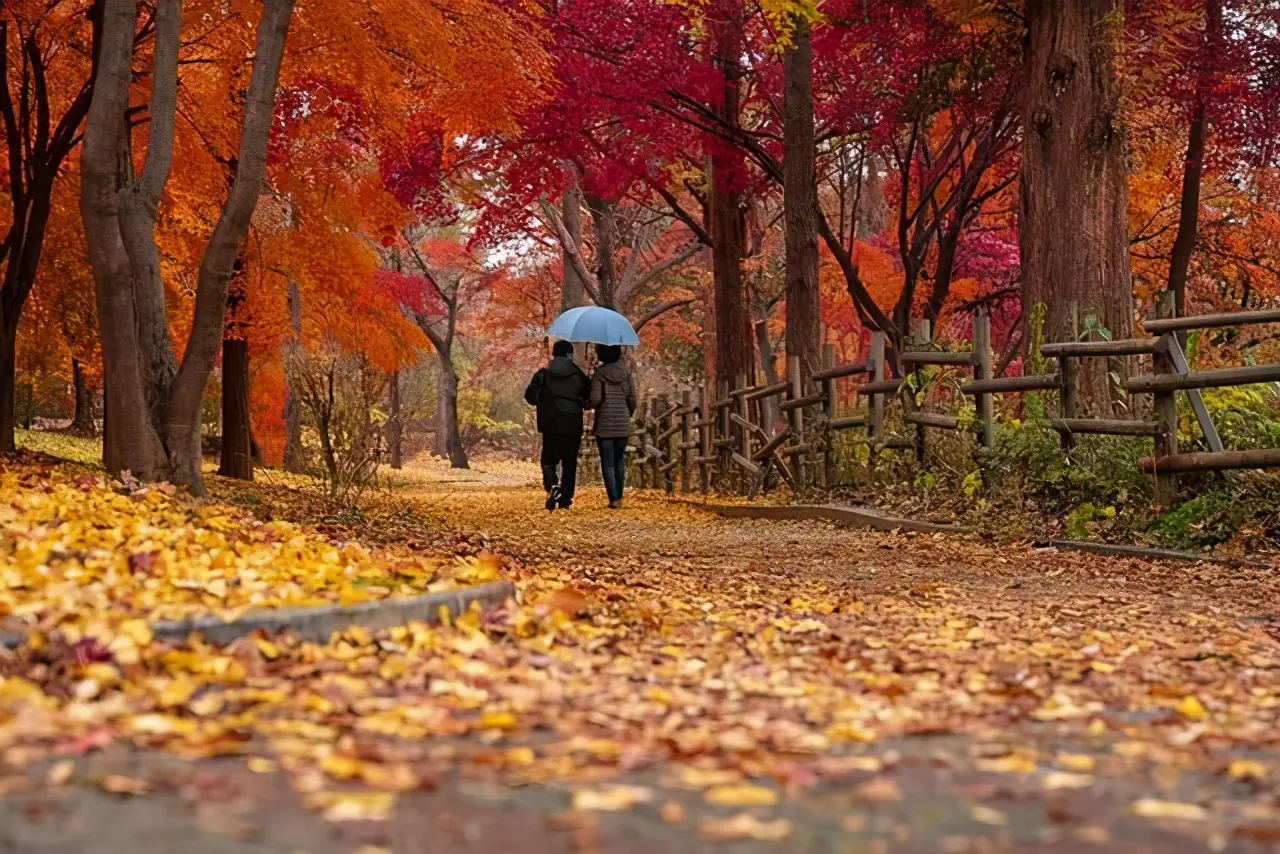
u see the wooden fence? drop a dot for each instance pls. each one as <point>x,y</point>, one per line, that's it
<point>746,436</point>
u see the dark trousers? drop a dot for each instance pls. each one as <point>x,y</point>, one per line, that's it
<point>560,451</point>
<point>613,455</point>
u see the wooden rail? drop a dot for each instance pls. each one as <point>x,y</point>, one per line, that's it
<point>750,434</point>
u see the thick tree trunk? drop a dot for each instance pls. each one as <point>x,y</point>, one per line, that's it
<point>293,456</point>
<point>1074,207</point>
<point>572,293</point>
<point>237,441</point>
<point>448,437</point>
<point>8,388</point>
<point>733,345</point>
<point>1184,243</point>
<point>82,421</point>
<point>153,424</point>
<point>804,329</point>
<point>395,425</point>
<point>604,221</point>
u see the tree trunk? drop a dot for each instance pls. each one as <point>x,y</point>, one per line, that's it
<point>82,421</point>
<point>604,220</point>
<point>733,344</point>
<point>153,424</point>
<point>237,442</point>
<point>448,437</point>
<point>293,457</point>
<point>1184,243</point>
<point>8,387</point>
<point>395,425</point>
<point>804,329</point>
<point>572,292</point>
<point>1074,207</point>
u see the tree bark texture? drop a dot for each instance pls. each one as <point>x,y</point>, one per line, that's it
<point>82,420</point>
<point>572,293</point>
<point>448,436</point>
<point>1074,206</point>
<point>604,223</point>
<point>153,423</point>
<point>8,387</point>
<point>804,329</point>
<point>294,459</point>
<point>1184,242</point>
<point>734,354</point>
<point>237,437</point>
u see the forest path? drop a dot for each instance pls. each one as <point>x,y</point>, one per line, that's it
<point>677,681</point>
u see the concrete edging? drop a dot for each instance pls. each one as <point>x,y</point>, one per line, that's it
<point>827,513</point>
<point>316,624</point>
<point>1143,553</point>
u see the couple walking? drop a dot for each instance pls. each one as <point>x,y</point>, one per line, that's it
<point>561,392</point>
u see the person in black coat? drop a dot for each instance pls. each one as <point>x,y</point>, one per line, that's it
<point>560,392</point>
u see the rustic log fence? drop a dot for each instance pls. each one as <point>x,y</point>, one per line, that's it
<point>749,436</point>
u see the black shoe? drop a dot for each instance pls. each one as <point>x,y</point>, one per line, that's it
<point>553,497</point>
<point>565,503</point>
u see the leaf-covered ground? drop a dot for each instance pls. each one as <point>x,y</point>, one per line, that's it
<point>668,679</point>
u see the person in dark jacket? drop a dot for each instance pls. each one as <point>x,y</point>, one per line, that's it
<point>559,391</point>
<point>613,397</point>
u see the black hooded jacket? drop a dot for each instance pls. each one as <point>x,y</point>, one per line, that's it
<point>559,391</point>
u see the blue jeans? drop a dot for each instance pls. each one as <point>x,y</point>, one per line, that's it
<point>612,465</point>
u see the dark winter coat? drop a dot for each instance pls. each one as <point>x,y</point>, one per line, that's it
<point>613,397</point>
<point>559,391</point>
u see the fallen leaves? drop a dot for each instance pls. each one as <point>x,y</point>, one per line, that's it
<point>611,798</point>
<point>1153,808</point>
<point>745,826</point>
<point>734,660</point>
<point>743,795</point>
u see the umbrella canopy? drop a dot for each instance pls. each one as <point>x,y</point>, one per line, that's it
<point>594,325</point>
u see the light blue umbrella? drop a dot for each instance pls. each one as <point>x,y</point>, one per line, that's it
<point>594,325</point>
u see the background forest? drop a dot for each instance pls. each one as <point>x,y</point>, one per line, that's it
<point>745,181</point>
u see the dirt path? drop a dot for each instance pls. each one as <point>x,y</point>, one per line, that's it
<point>691,683</point>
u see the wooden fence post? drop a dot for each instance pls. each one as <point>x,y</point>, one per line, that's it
<point>724,429</point>
<point>875,420</point>
<point>983,371</point>
<point>829,410</point>
<point>1166,407</point>
<point>704,436</point>
<point>686,438</point>
<point>655,430</point>
<point>923,338</point>
<point>796,414</point>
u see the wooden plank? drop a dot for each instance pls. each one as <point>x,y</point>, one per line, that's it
<point>772,445</point>
<point>1006,385</point>
<point>807,400</point>
<point>744,423</point>
<point>1204,379</point>
<point>1256,458</point>
<point>932,419</point>
<point>797,449</point>
<point>1107,426</point>
<point>889,386</point>
<point>848,422</point>
<point>1213,321</point>
<point>835,372</point>
<point>746,463</point>
<point>936,357</point>
<point>1178,359</point>
<point>1123,347</point>
<point>770,390</point>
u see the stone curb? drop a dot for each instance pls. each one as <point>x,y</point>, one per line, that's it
<point>316,624</point>
<point>1143,553</point>
<point>826,513</point>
